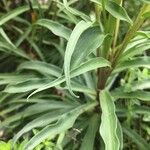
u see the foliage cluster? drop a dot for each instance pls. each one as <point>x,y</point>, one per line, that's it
<point>74,74</point>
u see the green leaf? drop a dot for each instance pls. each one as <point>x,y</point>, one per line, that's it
<point>75,35</point>
<point>108,127</point>
<point>26,86</point>
<point>133,63</point>
<point>8,48</point>
<point>35,83</point>
<point>89,41</point>
<point>136,138</point>
<point>136,50</point>
<point>89,138</point>
<point>91,64</point>
<point>141,95</point>
<point>66,122</point>
<point>11,14</point>
<point>144,110</point>
<point>120,135</point>
<point>49,85</point>
<point>117,11</point>
<point>96,1</point>
<point>36,109</point>
<point>140,85</point>
<point>56,28</point>
<point>10,109</point>
<point>41,121</point>
<point>76,12</point>
<point>144,34</point>
<point>12,78</point>
<point>84,67</point>
<point>81,88</point>
<point>41,67</point>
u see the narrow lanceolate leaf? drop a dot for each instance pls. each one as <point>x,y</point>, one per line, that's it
<point>10,15</point>
<point>89,138</point>
<point>117,11</point>
<point>75,11</point>
<point>136,138</point>
<point>83,68</point>
<point>137,50</point>
<point>40,122</point>
<point>96,1</point>
<point>75,35</point>
<point>136,62</point>
<point>91,64</point>
<point>144,34</point>
<point>108,127</point>
<point>82,88</point>
<point>34,109</point>
<point>141,95</point>
<point>120,135</point>
<point>140,85</point>
<point>15,78</point>
<point>26,86</point>
<point>15,12</point>
<point>55,27</point>
<point>65,122</point>
<point>41,67</point>
<point>89,41</point>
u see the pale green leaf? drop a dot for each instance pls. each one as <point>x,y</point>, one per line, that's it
<point>55,27</point>
<point>120,135</point>
<point>12,78</point>
<point>96,1</point>
<point>108,127</point>
<point>26,86</point>
<point>89,41</point>
<point>117,11</point>
<point>75,11</point>
<point>91,64</point>
<point>141,95</point>
<point>7,48</point>
<point>133,63</point>
<point>144,34</point>
<point>140,85</point>
<point>41,67</point>
<point>67,120</point>
<point>41,121</point>
<point>75,35</point>
<point>83,68</point>
<point>137,50</point>
<point>10,15</point>
<point>13,13</point>
<point>81,88</point>
<point>36,109</point>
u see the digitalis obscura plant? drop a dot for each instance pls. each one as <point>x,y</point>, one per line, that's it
<point>77,73</point>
